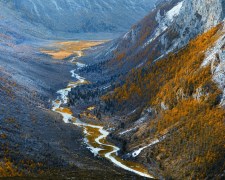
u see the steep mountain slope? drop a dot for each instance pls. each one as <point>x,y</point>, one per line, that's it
<point>83,15</point>
<point>18,28</point>
<point>177,101</point>
<point>33,139</point>
<point>159,90</point>
<point>164,95</point>
<point>145,40</point>
<point>198,16</point>
<point>167,28</point>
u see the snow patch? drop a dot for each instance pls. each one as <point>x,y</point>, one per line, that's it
<point>132,112</point>
<point>126,35</point>
<point>164,106</point>
<point>106,87</point>
<point>174,11</point>
<point>164,22</point>
<point>95,151</point>
<point>138,151</point>
<point>80,65</point>
<point>141,120</point>
<point>129,130</point>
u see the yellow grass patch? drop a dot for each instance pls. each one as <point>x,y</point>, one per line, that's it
<point>62,50</point>
<point>88,116</point>
<point>64,110</point>
<point>61,54</point>
<point>91,108</point>
<point>73,84</point>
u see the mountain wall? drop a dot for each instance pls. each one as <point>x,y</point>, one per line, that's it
<point>83,15</point>
<point>168,27</point>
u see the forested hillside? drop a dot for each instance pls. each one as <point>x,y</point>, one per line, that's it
<point>165,96</point>
<point>186,102</point>
<point>149,104</point>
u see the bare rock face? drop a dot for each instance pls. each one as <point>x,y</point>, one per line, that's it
<point>215,57</point>
<point>194,18</point>
<point>207,13</point>
<point>197,16</point>
<point>173,24</point>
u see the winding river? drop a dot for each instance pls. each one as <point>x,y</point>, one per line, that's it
<point>94,136</point>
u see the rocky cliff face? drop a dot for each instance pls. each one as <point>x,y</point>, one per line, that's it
<point>215,57</point>
<point>189,19</point>
<point>207,12</point>
<point>198,16</point>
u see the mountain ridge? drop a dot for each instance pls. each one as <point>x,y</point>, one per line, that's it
<point>83,15</point>
<point>162,35</point>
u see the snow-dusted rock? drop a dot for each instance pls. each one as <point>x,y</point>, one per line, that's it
<point>197,16</point>
<point>216,58</point>
<point>165,21</point>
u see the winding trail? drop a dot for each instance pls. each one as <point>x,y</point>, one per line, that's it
<point>95,136</point>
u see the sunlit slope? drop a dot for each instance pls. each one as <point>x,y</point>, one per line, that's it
<point>62,50</point>
<point>186,100</point>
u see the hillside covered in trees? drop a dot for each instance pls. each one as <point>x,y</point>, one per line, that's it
<point>187,106</point>
<point>165,92</point>
<point>150,103</point>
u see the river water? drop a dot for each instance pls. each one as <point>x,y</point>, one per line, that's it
<point>94,136</point>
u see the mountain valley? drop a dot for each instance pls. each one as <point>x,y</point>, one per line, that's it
<point>92,101</point>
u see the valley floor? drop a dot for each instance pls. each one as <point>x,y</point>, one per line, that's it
<point>33,139</point>
<point>94,135</point>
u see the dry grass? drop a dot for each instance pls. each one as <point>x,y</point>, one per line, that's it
<point>62,50</point>
<point>91,108</point>
<point>64,110</point>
